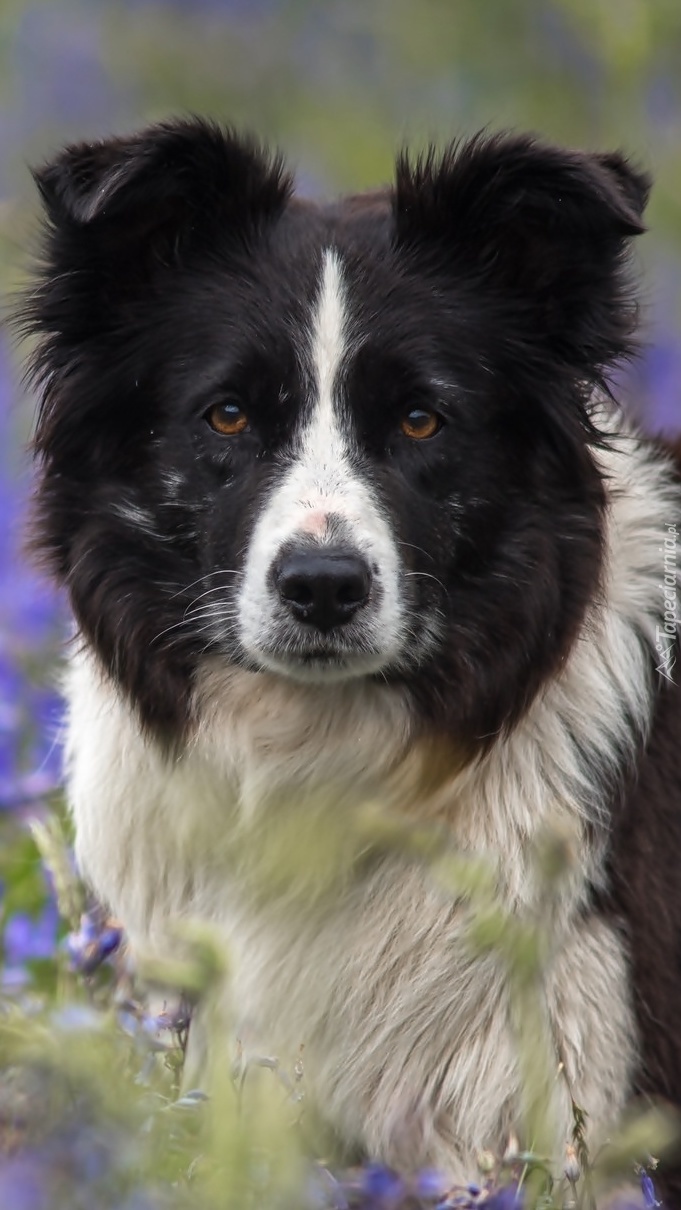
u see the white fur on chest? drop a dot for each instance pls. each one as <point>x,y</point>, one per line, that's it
<point>407,1034</point>
<point>408,1043</point>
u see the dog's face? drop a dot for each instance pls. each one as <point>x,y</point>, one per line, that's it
<point>331,442</point>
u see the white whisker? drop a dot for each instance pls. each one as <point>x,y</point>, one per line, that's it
<point>222,571</point>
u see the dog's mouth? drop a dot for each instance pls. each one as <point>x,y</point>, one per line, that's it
<point>321,659</point>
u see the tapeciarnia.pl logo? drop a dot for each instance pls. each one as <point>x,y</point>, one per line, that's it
<point>666,634</point>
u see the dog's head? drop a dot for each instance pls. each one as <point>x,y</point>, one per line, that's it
<point>331,441</point>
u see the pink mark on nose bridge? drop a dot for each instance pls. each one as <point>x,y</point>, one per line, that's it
<point>315,522</point>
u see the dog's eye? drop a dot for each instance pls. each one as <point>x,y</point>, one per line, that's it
<point>419,424</point>
<point>227,419</point>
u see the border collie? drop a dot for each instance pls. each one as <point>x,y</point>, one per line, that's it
<point>347,514</point>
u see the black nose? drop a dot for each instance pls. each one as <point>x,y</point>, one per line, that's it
<point>323,587</point>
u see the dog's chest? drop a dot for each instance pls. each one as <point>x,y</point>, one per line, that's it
<point>363,960</point>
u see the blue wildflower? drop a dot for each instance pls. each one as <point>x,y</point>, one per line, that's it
<point>382,1185</point>
<point>30,624</point>
<point>661,369</point>
<point>430,1184</point>
<point>648,1190</point>
<point>28,937</point>
<point>95,941</point>
<point>23,1186</point>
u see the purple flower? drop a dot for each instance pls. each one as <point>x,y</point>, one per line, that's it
<point>23,1186</point>
<point>662,383</point>
<point>429,1183</point>
<point>94,942</point>
<point>31,622</point>
<point>648,1190</point>
<point>156,1023</point>
<point>28,937</point>
<point>381,1185</point>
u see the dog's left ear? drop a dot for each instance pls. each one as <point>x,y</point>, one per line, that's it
<point>530,225</point>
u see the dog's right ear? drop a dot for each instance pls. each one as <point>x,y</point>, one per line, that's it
<point>148,193</point>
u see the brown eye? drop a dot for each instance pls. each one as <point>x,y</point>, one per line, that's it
<point>227,419</point>
<point>419,424</point>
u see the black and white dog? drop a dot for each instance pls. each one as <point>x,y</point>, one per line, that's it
<point>346,513</point>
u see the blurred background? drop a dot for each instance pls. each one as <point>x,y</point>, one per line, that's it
<point>339,84</point>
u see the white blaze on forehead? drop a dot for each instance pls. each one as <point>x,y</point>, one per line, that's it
<point>323,443</point>
<point>329,330</point>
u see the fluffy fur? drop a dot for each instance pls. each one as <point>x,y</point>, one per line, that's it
<point>492,660</point>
